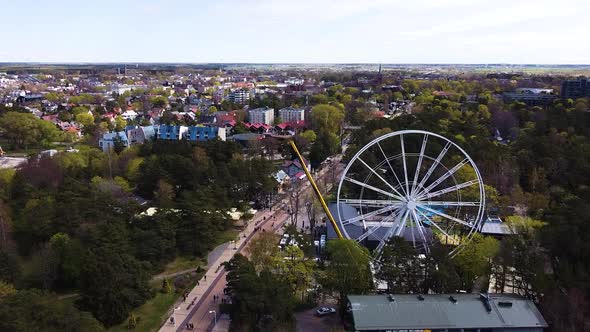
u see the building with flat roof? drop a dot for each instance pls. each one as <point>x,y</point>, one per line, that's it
<point>579,88</point>
<point>291,114</point>
<point>240,96</point>
<point>445,312</point>
<point>531,96</point>
<point>264,115</point>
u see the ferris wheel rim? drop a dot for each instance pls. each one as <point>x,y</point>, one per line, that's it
<point>424,205</point>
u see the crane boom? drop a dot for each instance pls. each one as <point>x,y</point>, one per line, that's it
<point>316,190</point>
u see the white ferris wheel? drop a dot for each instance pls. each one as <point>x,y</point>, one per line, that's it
<point>412,184</point>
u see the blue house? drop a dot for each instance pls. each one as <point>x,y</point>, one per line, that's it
<point>107,142</point>
<point>201,133</point>
<point>170,132</point>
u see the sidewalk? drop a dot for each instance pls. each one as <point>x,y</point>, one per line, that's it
<point>213,282</point>
<point>184,310</point>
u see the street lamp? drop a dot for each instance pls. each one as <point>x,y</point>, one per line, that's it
<point>214,316</point>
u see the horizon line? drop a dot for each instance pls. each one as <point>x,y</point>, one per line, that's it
<point>292,63</point>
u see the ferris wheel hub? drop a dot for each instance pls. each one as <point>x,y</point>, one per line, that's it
<point>411,205</point>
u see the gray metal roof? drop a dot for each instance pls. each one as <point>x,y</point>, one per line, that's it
<point>495,226</point>
<point>407,311</point>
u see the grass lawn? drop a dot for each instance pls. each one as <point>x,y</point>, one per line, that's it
<point>229,235</point>
<point>151,314</point>
<point>182,263</point>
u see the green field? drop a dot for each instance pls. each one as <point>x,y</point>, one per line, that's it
<point>151,314</point>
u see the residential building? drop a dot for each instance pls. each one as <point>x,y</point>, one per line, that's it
<point>107,142</point>
<point>531,96</point>
<point>196,133</point>
<point>140,134</point>
<point>291,114</point>
<point>129,115</point>
<point>240,96</point>
<point>264,115</point>
<point>294,169</point>
<point>282,180</point>
<point>445,312</point>
<point>171,132</point>
<point>579,88</point>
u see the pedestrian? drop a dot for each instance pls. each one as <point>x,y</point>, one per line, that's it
<point>205,276</point>
<point>192,326</point>
<point>188,326</point>
<point>197,283</point>
<point>172,320</point>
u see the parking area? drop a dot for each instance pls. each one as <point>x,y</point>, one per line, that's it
<point>308,321</point>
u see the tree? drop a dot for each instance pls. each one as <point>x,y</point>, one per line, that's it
<point>297,269</point>
<point>260,302</point>
<point>326,118</point>
<point>120,123</point>
<point>309,135</point>
<point>85,119</point>
<point>33,310</point>
<point>6,289</point>
<point>348,270</point>
<point>474,259</point>
<point>112,281</point>
<point>264,252</point>
<point>400,267</point>
<point>24,129</point>
<point>521,261</point>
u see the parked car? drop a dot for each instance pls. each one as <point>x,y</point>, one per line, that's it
<point>325,311</point>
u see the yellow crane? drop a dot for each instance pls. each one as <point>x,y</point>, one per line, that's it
<point>316,190</point>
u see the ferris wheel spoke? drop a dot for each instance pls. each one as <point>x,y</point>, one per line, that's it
<point>433,223</point>
<point>420,228</point>
<point>368,186</point>
<point>390,232</point>
<point>368,202</point>
<point>391,168</point>
<point>371,230</point>
<point>407,182</point>
<point>424,141</point>
<point>434,165</point>
<point>370,214</point>
<point>445,176</point>
<point>379,176</point>
<point>412,223</point>
<point>444,215</point>
<point>448,203</point>
<point>447,190</point>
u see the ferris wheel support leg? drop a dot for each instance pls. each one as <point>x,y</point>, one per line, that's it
<point>316,190</point>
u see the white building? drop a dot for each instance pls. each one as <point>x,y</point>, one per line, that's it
<point>240,96</point>
<point>262,115</point>
<point>290,114</point>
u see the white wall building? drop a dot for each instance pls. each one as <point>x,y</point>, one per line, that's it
<point>290,114</point>
<point>262,115</point>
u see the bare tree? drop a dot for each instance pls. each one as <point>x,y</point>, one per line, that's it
<point>293,194</point>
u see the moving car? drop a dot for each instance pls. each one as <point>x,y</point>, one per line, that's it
<point>325,311</point>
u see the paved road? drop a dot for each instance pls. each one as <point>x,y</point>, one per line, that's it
<point>214,281</point>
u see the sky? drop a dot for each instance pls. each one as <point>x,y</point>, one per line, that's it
<point>297,31</point>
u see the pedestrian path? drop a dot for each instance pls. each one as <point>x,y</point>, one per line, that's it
<point>185,309</point>
<point>200,313</point>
